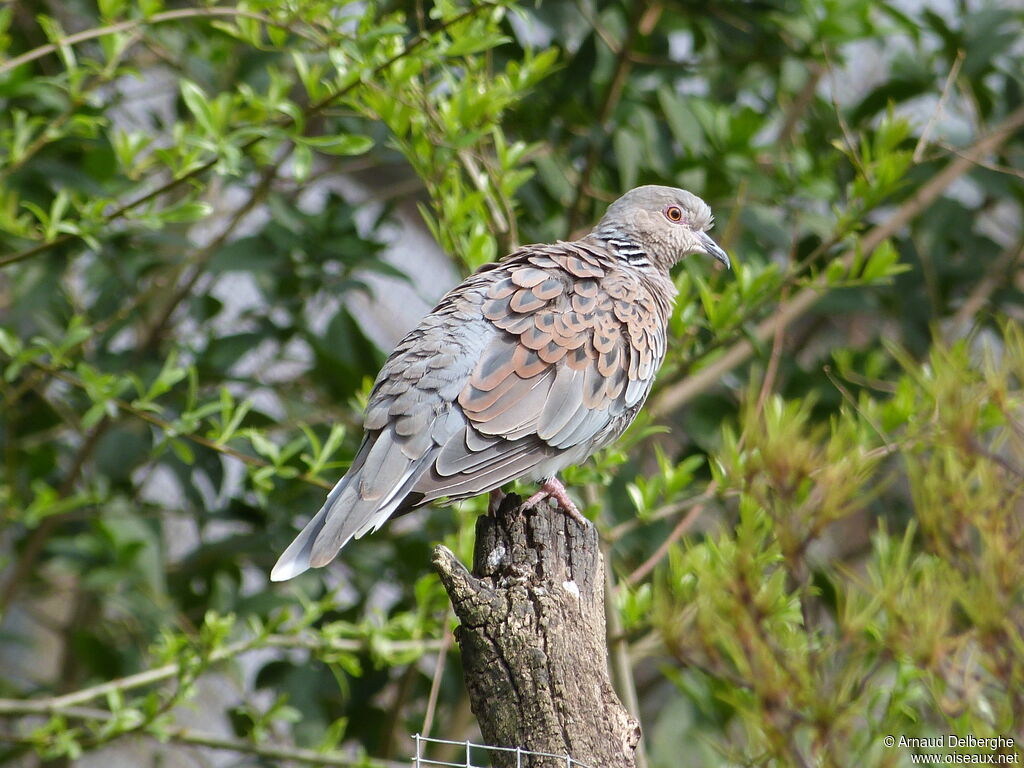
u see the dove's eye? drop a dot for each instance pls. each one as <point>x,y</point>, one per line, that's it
<point>674,213</point>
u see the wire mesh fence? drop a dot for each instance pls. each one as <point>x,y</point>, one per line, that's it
<point>472,755</point>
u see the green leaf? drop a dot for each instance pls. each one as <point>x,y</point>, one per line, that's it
<point>183,451</point>
<point>685,127</point>
<point>169,375</point>
<point>10,344</point>
<point>111,9</point>
<point>302,162</point>
<point>265,447</point>
<point>342,144</point>
<point>198,105</point>
<point>231,416</point>
<point>186,211</point>
<point>470,44</point>
<point>883,263</point>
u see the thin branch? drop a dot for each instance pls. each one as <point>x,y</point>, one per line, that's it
<point>481,181</point>
<point>619,659</point>
<point>59,704</point>
<point>732,230</point>
<point>204,254</point>
<point>773,363</point>
<point>604,112</point>
<point>192,737</point>
<point>156,18</point>
<point>664,512</point>
<point>844,127</point>
<point>295,754</point>
<point>644,569</point>
<point>995,458</point>
<point>922,142</point>
<point>852,402</point>
<point>37,540</point>
<point>995,278</point>
<point>799,105</point>
<point>435,683</point>
<point>606,37</point>
<point>982,163</point>
<point>681,393</point>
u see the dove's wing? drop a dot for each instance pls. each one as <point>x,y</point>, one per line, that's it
<point>581,343</point>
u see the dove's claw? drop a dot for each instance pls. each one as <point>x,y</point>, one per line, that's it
<point>494,499</point>
<point>552,488</point>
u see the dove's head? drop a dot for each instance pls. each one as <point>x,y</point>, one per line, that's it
<point>659,225</point>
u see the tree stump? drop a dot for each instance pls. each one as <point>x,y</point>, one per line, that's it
<point>533,640</point>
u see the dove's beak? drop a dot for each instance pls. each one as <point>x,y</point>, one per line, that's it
<point>711,248</point>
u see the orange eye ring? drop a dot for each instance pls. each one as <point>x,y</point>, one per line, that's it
<point>674,213</point>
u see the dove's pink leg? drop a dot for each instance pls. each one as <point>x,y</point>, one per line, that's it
<point>494,499</point>
<point>552,488</point>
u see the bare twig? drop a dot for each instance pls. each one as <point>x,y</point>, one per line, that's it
<point>619,659</point>
<point>982,163</point>
<point>995,458</point>
<point>59,704</point>
<point>848,137</point>
<point>732,229</point>
<point>435,683</point>
<point>595,23</point>
<point>798,106</point>
<point>852,402</point>
<point>293,754</point>
<point>768,383</point>
<point>201,257</point>
<point>922,142</point>
<point>482,181</point>
<point>644,569</point>
<point>993,279</point>
<point>662,513</point>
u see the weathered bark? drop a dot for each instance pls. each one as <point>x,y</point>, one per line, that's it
<point>533,641</point>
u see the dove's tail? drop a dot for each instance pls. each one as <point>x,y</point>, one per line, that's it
<point>377,483</point>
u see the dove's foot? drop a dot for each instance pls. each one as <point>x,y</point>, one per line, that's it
<point>494,499</point>
<point>552,488</point>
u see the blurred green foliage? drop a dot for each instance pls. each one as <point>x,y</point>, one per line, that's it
<point>816,529</point>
